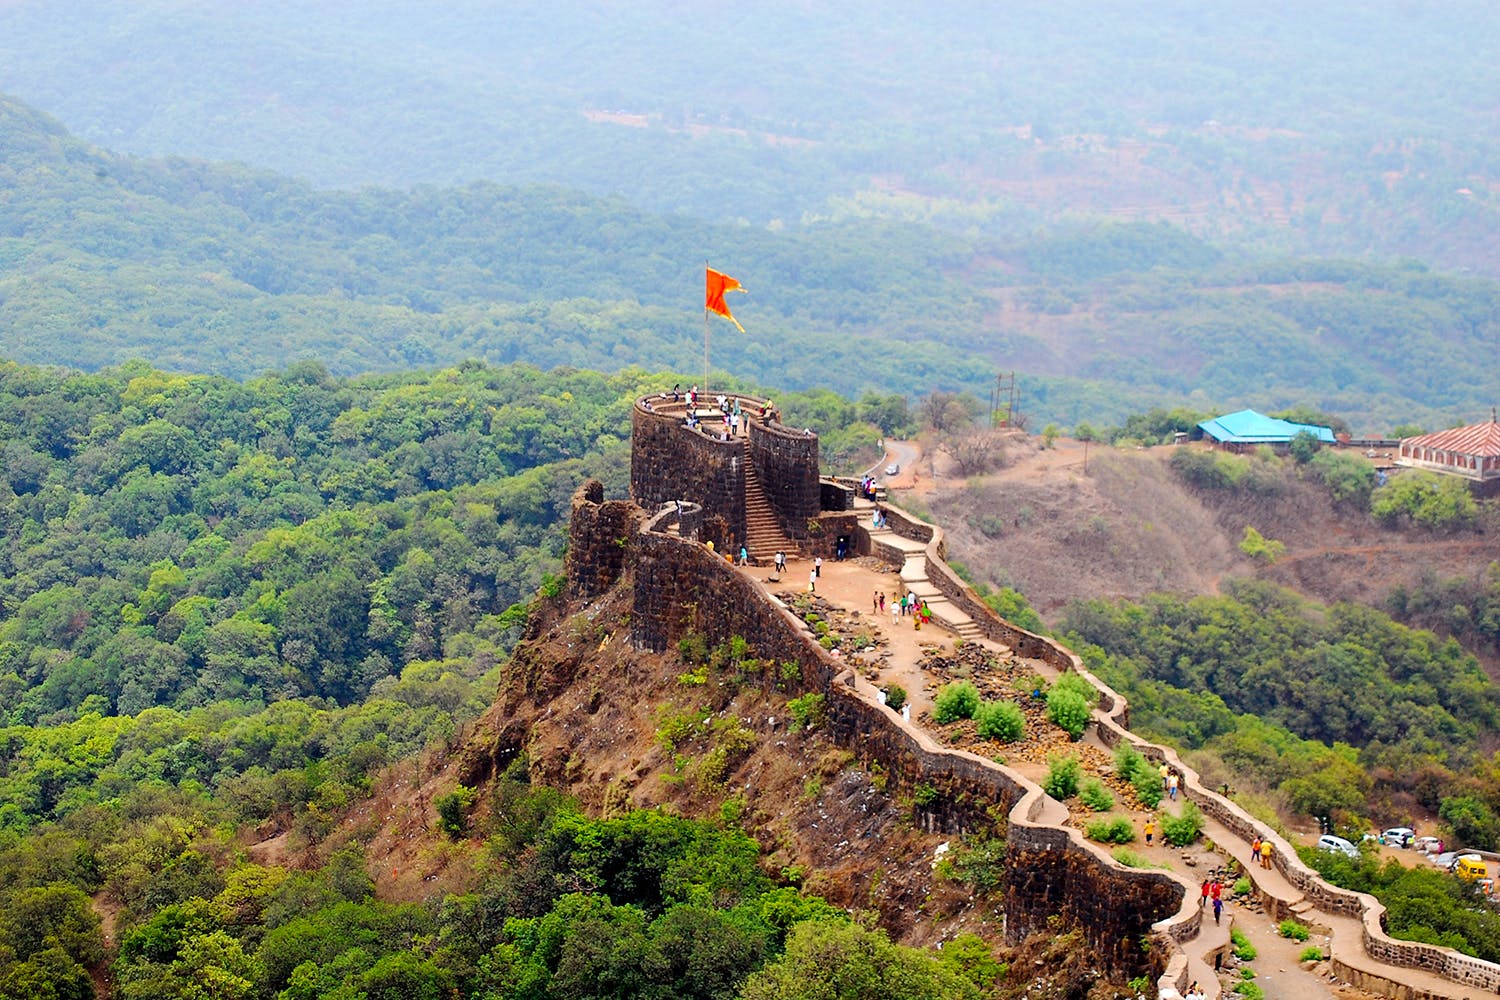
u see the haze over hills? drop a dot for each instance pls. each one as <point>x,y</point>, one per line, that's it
<point>1344,128</point>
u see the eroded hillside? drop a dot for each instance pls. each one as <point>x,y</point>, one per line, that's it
<point>1124,525</point>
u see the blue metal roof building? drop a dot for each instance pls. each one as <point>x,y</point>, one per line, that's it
<point>1250,427</point>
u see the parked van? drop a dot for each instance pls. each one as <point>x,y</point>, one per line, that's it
<point>1470,867</point>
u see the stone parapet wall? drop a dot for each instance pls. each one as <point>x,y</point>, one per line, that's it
<point>599,536</point>
<point>787,463</point>
<point>907,526</point>
<point>668,462</point>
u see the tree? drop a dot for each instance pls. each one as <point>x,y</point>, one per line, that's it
<point>978,452</point>
<point>949,412</point>
<point>1472,822</point>
<point>1303,446</point>
<point>826,961</point>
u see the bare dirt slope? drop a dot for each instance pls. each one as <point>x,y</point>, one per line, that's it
<point>1124,525</point>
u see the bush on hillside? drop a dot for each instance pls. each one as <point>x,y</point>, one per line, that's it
<point>1000,720</point>
<point>959,700</point>
<point>1063,774</point>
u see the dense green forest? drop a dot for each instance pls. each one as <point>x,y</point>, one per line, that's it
<point>1344,128</point>
<point>1336,712</point>
<point>225,270</point>
<point>229,604</point>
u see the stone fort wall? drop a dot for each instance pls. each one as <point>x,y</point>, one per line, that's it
<point>678,586</point>
<point>668,462</point>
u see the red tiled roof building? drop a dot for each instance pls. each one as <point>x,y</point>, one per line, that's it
<point>1472,452</point>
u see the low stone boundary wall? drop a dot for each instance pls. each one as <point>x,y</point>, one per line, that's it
<point>1111,723</point>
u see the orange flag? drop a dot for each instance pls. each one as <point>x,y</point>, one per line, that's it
<point>713,299</point>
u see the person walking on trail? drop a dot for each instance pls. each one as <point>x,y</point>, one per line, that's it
<point>1172,786</point>
<point>817,566</point>
<point>1164,770</point>
<point>1203,896</point>
<point>1255,848</point>
<point>1218,909</point>
<point>780,562</point>
<point>1150,830</point>
<point>812,581</point>
<point>1265,853</point>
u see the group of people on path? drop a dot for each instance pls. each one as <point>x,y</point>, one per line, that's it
<point>1261,848</point>
<point>1213,889</point>
<point>908,605</point>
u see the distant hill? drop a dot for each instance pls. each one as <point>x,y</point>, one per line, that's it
<point>229,270</point>
<point>1344,128</point>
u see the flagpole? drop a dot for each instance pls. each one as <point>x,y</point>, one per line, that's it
<point>705,338</point>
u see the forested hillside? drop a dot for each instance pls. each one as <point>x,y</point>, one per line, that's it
<point>225,270</point>
<point>227,609</point>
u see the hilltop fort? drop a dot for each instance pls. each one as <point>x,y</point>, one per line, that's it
<point>655,570</point>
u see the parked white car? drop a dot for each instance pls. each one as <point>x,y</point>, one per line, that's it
<point>1398,836</point>
<point>1328,842</point>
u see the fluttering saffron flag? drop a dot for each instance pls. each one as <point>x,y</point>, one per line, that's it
<point>713,299</point>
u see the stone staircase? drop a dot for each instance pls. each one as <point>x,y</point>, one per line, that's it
<point>914,579</point>
<point>764,537</point>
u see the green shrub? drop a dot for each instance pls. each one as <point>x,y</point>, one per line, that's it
<point>1257,546</point>
<point>1111,830</point>
<point>1000,720</point>
<point>1063,774</point>
<point>1130,859</point>
<point>1243,885</point>
<point>1093,794</point>
<point>1129,762</point>
<point>807,711</point>
<point>1312,953</point>
<point>1132,765</point>
<point>1292,929</point>
<point>1078,684</point>
<point>1147,788</point>
<point>895,697</point>
<point>1243,949</point>
<point>1249,990</point>
<point>453,809</point>
<point>1183,829</point>
<point>979,862</point>
<point>693,648</point>
<point>1068,710</point>
<point>1425,498</point>
<point>958,700</point>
